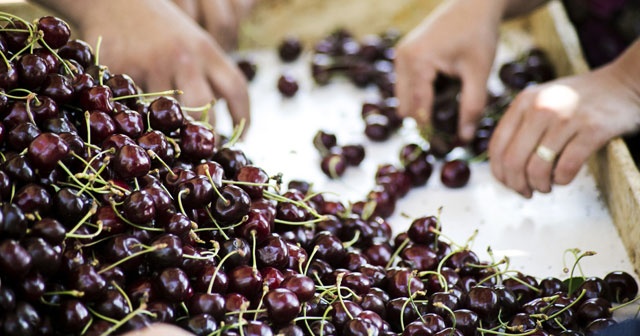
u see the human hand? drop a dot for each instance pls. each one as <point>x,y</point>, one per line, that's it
<point>459,39</point>
<point>162,48</point>
<point>159,329</point>
<point>221,18</point>
<point>572,117</point>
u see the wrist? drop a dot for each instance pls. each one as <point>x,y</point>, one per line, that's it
<point>627,67</point>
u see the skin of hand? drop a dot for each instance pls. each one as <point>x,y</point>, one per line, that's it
<point>221,18</point>
<point>159,329</point>
<point>449,42</point>
<point>573,116</point>
<point>161,48</point>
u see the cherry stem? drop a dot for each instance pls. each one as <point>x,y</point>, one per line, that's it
<point>146,249</point>
<point>102,317</point>
<point>215,222</point>
<point>149,94</point>
<point>215,189</point>
<point>577,264</point>
<point>141,309</point>
<point>73,292</point>
<point>356,237</point>
<point>124,294</point>
<point>265,290</point>
<point>215,273</point>
<point>91,212</point>
<point>237,133</point>
<point>338,285</point>
<point>311,255</point>
<point>397,252</point>
<point>128,222</point>
<point>443,280</point>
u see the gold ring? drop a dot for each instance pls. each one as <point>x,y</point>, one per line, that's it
<point>546,154</point>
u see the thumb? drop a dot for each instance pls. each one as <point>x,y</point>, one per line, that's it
<point>473,98</point>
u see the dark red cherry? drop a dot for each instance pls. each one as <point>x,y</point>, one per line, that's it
<point>232,205</point>
<point>623,287</point>
<point>165,114</point>
<point>47,150</point>
<point>131,161</point>
<point>353,154</point>
<point>248,68</point>
<point>455,173</point>
<point>16,34</point>
<point>333,165</point>
<point>287,85</point>
<point>282,305</point>
<point>73,315</point>
<point>289,49</point>
<point>56,32</point>
<point>129,122</point>
<point>21,136</point>
<point>98,98</point>
<point>174,284</point>
<point>198,141</point>
<point>77,50</point>
<point>246,281</point>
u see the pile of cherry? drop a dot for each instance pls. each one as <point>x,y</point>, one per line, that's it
<point>118,210</point>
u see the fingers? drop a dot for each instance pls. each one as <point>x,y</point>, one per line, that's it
<point>196,91</point>
<point>473,97</point>
<point>219,19</point>
<point>414,90</point>
<point>503,134</point>
<point>229,83</point>
<point>190,7</point>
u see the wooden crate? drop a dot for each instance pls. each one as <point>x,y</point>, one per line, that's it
<point>613,168</point>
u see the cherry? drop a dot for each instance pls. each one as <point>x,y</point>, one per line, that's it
<point>46,150</point>
<point>77,50</point>
<point>156,142</point>
<point>129,122</point>
<point>455,173</point>
<point>98,97</point>
<point>514,75</point>
<point>32,70</point>
<point>484,301</point>
<point>421,230</point>
<point>420,257</point>
<point>377,127</point>
<point>46,258</point>
<point>550,286</point>
<point>282,305</point>
<point>341,312</point>
<point>334,165</point>
<point>196,192</point>
<point>248,68</point>
<point>197,141</point>
<point>15,34</point>
<point>56,32</point>
<point>21,136</point>
<point>289,49</point>
<point>165,114</point>
<point>287,85</point>
<point>253,175</point>
<point>594,287</point>
<point>174,284</point>
<point>33,198</point>
<point>246,281</point>
<point>231,160</point>
<point>8,75</point>
<point>74,315</point>
<point>23,321</point>
<point>623,287</point>
<point>524,287</point>
<point>593,309</point>
<point>233,205</point>
<point>101,126</point>
<point>131,161</point>
<point>139,207</point>
<point>272,252</point>
<point>353,154</point>
<point>200,324</point>
<point>240,249</point>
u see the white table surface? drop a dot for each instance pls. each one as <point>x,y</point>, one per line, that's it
<point>533,233</point>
